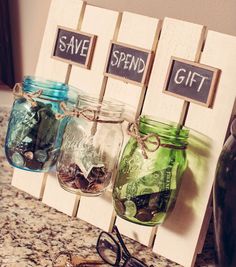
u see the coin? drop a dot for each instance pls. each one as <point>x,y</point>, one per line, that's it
<point>144,215</point>
<point>159,217</point>
<point>153,201</point>
<point>17,159</point>
<point>29,155</point>
<point>119,206</point>
<point>130,208</point>
<point>41,155</point>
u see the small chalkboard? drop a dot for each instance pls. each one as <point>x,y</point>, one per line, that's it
<point>191,81</point>
<point>74,47</point>
<point>128,63</point>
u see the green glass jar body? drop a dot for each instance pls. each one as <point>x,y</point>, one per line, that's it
<point>34,134</point>
<point>145,190</point>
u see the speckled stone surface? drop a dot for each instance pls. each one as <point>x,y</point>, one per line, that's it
<point>32,234</point>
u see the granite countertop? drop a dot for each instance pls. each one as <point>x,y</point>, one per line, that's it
<point>32,234</point>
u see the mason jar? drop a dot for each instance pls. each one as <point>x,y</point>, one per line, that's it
<point>34,135</point>
<point>224,197</point>
<point>91,146</point>
<point>150,171</point>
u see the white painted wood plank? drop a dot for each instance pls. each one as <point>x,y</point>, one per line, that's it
<point>97,210</point>
<point>64,13</point>
<point>140,31</point>
<point>220,52</point>
<point>30,182</point>
<point>177,239</point>
<point>181,39</point>
<point>140,233</point>
<point>56,197</point>
<point>137,30</point>
<point>104,27</point>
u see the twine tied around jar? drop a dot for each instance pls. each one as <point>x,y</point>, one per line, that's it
<point>143,141</point>
<point>133,131</point>
<point>87,113</point>
<point>75,113</point>
<point>18,92</point>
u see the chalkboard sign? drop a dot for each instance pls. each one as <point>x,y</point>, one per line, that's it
<point>191,81</point>
<point>74,47</point>
<point>128,63</point>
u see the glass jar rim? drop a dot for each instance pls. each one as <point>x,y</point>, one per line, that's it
<point>51,89</point>
<point>164,127</point>
<point>105,107</point>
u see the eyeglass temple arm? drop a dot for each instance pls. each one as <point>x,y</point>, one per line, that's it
<point>121,240</point>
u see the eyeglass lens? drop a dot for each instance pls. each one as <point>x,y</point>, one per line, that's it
<point>108,249</point>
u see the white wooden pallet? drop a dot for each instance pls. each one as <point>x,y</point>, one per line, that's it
<point>182,236</point>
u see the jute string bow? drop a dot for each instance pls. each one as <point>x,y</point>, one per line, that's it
<point>86,113</point>
<point>145,141</point>
<point>18,92</point>
<point>133,130</point>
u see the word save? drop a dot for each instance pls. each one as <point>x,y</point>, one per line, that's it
<point>74,45</point>
<point>190,78</point>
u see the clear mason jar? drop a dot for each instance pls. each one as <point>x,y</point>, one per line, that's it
<point>150,171</point>
<point>34,135</point>
<point>91,146</point>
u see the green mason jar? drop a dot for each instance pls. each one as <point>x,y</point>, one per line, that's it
<point>150,171</point>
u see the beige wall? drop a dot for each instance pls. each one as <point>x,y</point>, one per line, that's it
<point>29,17</point>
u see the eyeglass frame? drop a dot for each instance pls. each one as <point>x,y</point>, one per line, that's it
<point>122,245</point>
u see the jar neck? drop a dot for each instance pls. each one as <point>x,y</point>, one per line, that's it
<point>107,111</point>
<point>51,90</point>
<point>168,132</point>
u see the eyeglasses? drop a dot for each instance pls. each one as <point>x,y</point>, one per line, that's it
<point>114,253</point>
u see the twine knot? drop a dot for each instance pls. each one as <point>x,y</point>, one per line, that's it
<point>87,113</point>
<point>18,93</point>
<point>143,141</point>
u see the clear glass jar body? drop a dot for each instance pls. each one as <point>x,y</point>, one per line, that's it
<point>145,190</point>
<point>224,199</point>
<point>91,147</point>
<point>34,135</point>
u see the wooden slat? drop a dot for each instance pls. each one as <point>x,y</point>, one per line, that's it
<point>140,31</point>
<point>28,182</point>
<point>96,210</point>
<point>64,13</point>
<point>177,239</point>
<point>142,234</point>
<point>67,14</point>
<point>104,26</point>
<point>56,197</point>
<point>220,52</point>
<point>179,39</point>
<point>143,32</point>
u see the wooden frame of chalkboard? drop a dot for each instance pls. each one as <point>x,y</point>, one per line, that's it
<point>86,60</point>
<point>191,85</point>
<point>140,80</point>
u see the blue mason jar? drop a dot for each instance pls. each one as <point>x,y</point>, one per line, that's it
<point>34,134</point>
